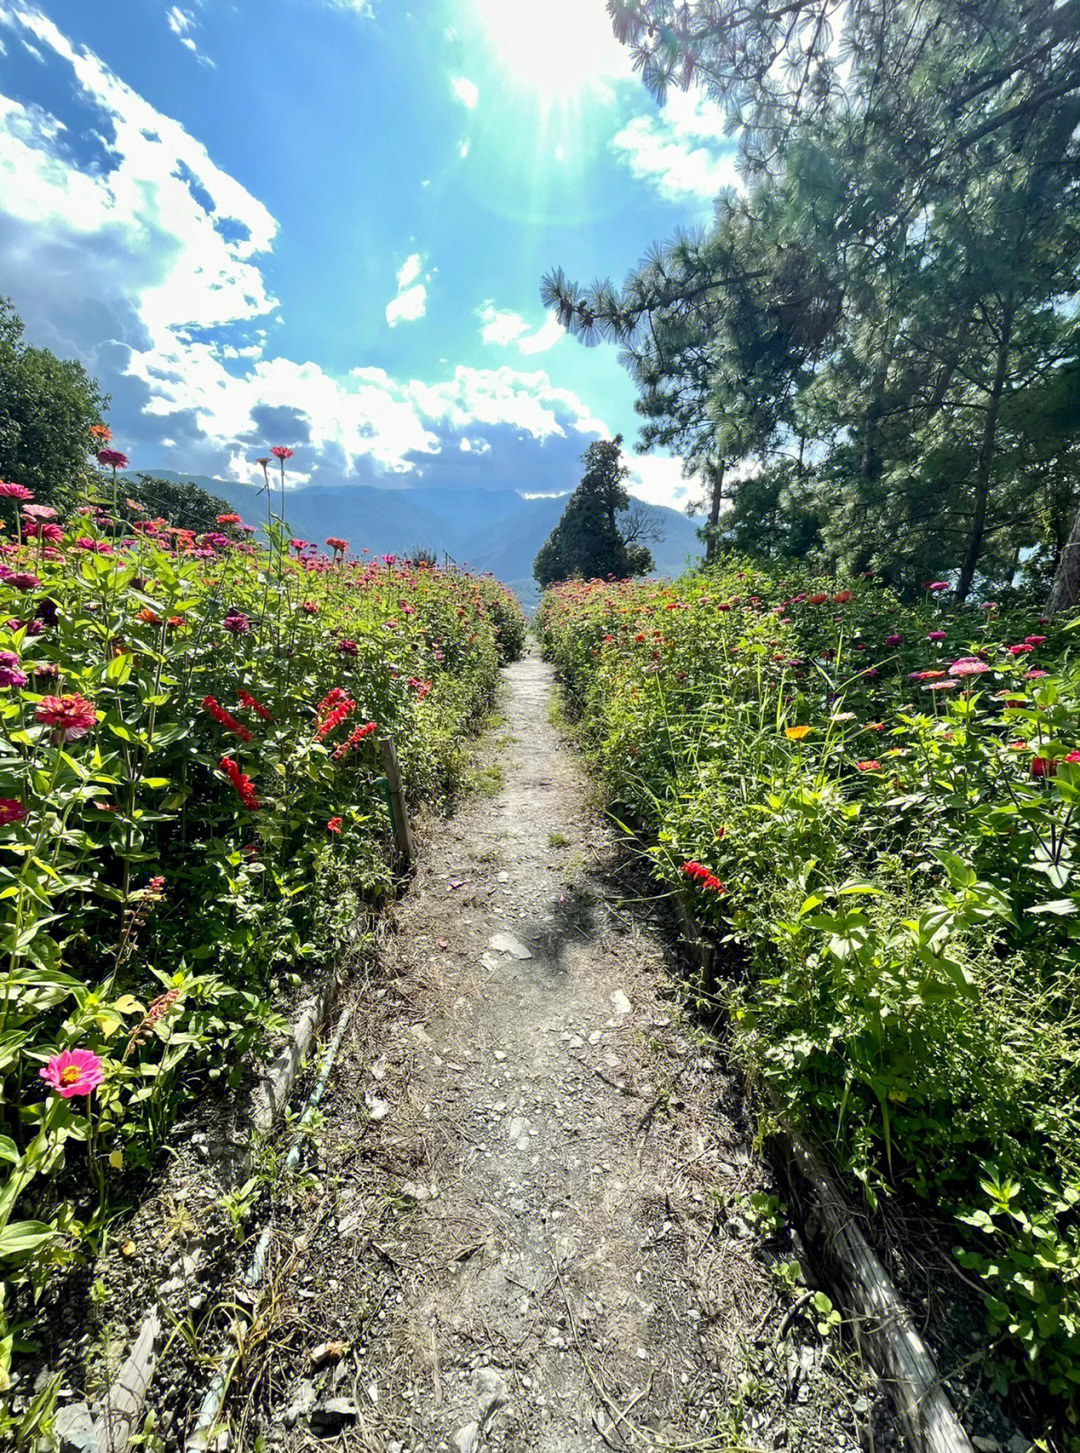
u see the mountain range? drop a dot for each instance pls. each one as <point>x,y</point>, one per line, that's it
<point>483,529</point>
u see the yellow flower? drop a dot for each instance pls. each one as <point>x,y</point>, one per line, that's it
<point>796,734</point>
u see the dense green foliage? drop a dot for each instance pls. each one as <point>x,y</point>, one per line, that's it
<point>48,408</point>
<point>874,807</point>
<point>872,355</point>
<point>191,813</point>
<point>187,505</point>
<point>590,540</point>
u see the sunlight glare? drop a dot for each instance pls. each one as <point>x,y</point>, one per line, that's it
<point>555,47</point>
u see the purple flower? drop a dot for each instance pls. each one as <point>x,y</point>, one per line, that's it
<point>935,635</point>
<point>894,640</point>
<point>237,623</point>
<point>12,676</point>
<point>25,581</point>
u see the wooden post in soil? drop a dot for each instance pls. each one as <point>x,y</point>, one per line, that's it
<point>396,795</point>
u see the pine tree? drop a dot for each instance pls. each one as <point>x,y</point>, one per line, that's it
<point>589,541</point>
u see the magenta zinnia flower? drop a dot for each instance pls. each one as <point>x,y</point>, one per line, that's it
<point>74,1072</point>
<point>16,491</point>
<point>112,459</point>
<point>237,623</point>
<point>11,810</point>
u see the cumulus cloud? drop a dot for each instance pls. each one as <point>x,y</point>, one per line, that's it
<point>680,149</point>
<point>506,328</point>
<point>466,91</point>
<point>411,301</point>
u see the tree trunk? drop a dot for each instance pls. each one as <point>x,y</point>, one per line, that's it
<point>714,473</point>
<point>986,459</point>
<point>1065,591</point>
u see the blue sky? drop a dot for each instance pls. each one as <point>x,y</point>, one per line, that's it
<point>323,223</point>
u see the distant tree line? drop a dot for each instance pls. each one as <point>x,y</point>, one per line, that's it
<point>872,356</point>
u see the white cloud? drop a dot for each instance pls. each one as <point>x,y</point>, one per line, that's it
<point>463,149</point>
<point>658,479</point>
<point>409,271</point>
<point>408,306</point>
<point>503,328</point>
<point>182,23</point>
<point>681,148</point>
<point>466,91</point>
<point>411,301</point>
<point>528,402</point>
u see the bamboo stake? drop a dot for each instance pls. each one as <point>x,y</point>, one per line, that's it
<point>395,791</point>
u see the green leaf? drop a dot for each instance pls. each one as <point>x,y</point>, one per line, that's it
<point>19,1237</point>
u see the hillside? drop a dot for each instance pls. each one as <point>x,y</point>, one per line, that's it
<point>494,530</point>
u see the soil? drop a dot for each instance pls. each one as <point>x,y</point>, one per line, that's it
<point>530,1214</point>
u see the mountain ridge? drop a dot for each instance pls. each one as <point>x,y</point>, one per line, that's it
<point>484,529</point>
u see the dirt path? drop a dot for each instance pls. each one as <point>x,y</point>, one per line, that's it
<point>527,1221</point>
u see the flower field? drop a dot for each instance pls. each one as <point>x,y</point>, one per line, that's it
<point>873,807</point>
<point>191,809</point>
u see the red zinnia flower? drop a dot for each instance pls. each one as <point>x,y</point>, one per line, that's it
<point>11,810</point>
<point>228,519</point>
<point>279,451</point>
<point>1043,767</point>
<point>71,717</point>
<point>334,825</point>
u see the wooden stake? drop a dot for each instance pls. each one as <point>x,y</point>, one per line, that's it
<point>396,793</point>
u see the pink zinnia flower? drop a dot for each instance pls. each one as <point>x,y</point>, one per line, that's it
<point>1034,674</point>
<point>71,717</point>
<point>16,491</point>
<point>75,1072</point>
<point>870,766</point>
<point>938,585</point>
<point>1021,650</point>
<point>40,512</point>
<point>279,451</point>
<point>935,635</point>
<point>12,810</point>
<point>112,459</point>
<point>334,825</point>
<point>12,676</point>
<point>968,666</point>
<point>1034,640</point>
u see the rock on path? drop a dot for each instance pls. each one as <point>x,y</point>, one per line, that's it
<point>540,1241</point>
